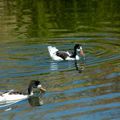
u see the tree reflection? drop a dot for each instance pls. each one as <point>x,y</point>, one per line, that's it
<point>44,18</point>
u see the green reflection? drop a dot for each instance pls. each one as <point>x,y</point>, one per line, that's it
<point>45,19</point>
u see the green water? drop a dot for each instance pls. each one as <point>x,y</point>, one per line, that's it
<point>27,27</point>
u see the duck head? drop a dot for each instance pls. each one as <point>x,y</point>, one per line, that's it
<point>78,47</point>
<point>35,84</point>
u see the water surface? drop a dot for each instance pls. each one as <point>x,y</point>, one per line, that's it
<point>28,27</point>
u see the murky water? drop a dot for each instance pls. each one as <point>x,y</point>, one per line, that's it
<point>28,27</point>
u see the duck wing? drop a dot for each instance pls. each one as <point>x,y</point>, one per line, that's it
<point>62,54</point>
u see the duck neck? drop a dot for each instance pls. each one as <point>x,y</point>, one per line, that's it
<point>74,53</point>
<point>30,91</point>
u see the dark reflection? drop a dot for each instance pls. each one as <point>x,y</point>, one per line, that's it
<point>79,66</point>
<point>36,100</point>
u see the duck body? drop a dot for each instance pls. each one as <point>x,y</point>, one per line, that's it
<point>10,97</point>
<point>13,96</point>
<point>55,54</point>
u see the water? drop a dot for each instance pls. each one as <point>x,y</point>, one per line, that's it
<point>28,27</point>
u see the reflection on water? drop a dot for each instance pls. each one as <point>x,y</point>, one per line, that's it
<point>53,66</point>
<point>27,27</point>
<point>79,67</point>
<point>29,19</point>
<point>35,101</point>
<point>6,104</point>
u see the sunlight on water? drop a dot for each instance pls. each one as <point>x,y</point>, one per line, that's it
<point>53,66</point>
<point>76,90</point>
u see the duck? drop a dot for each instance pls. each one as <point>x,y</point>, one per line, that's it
<point>57,55</point>
<point>12,95</point>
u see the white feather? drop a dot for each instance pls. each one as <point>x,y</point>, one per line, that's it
<point>12,97</point>
<point>52,52</point>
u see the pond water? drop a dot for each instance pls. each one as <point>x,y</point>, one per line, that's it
<point>27,27</point>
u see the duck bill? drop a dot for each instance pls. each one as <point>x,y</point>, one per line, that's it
<point>43,90</point>
<point>82,53</point>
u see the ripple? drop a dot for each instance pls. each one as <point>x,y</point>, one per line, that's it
<point>100,52</point>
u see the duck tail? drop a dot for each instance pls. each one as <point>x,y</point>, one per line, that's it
<point>52,50</point>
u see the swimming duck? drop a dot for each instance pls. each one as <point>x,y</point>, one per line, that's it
<point>55,54</point>
<point>17,96</point>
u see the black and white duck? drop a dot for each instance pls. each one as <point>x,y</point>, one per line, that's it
<point>17,96</point>
<point>55,54</point>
